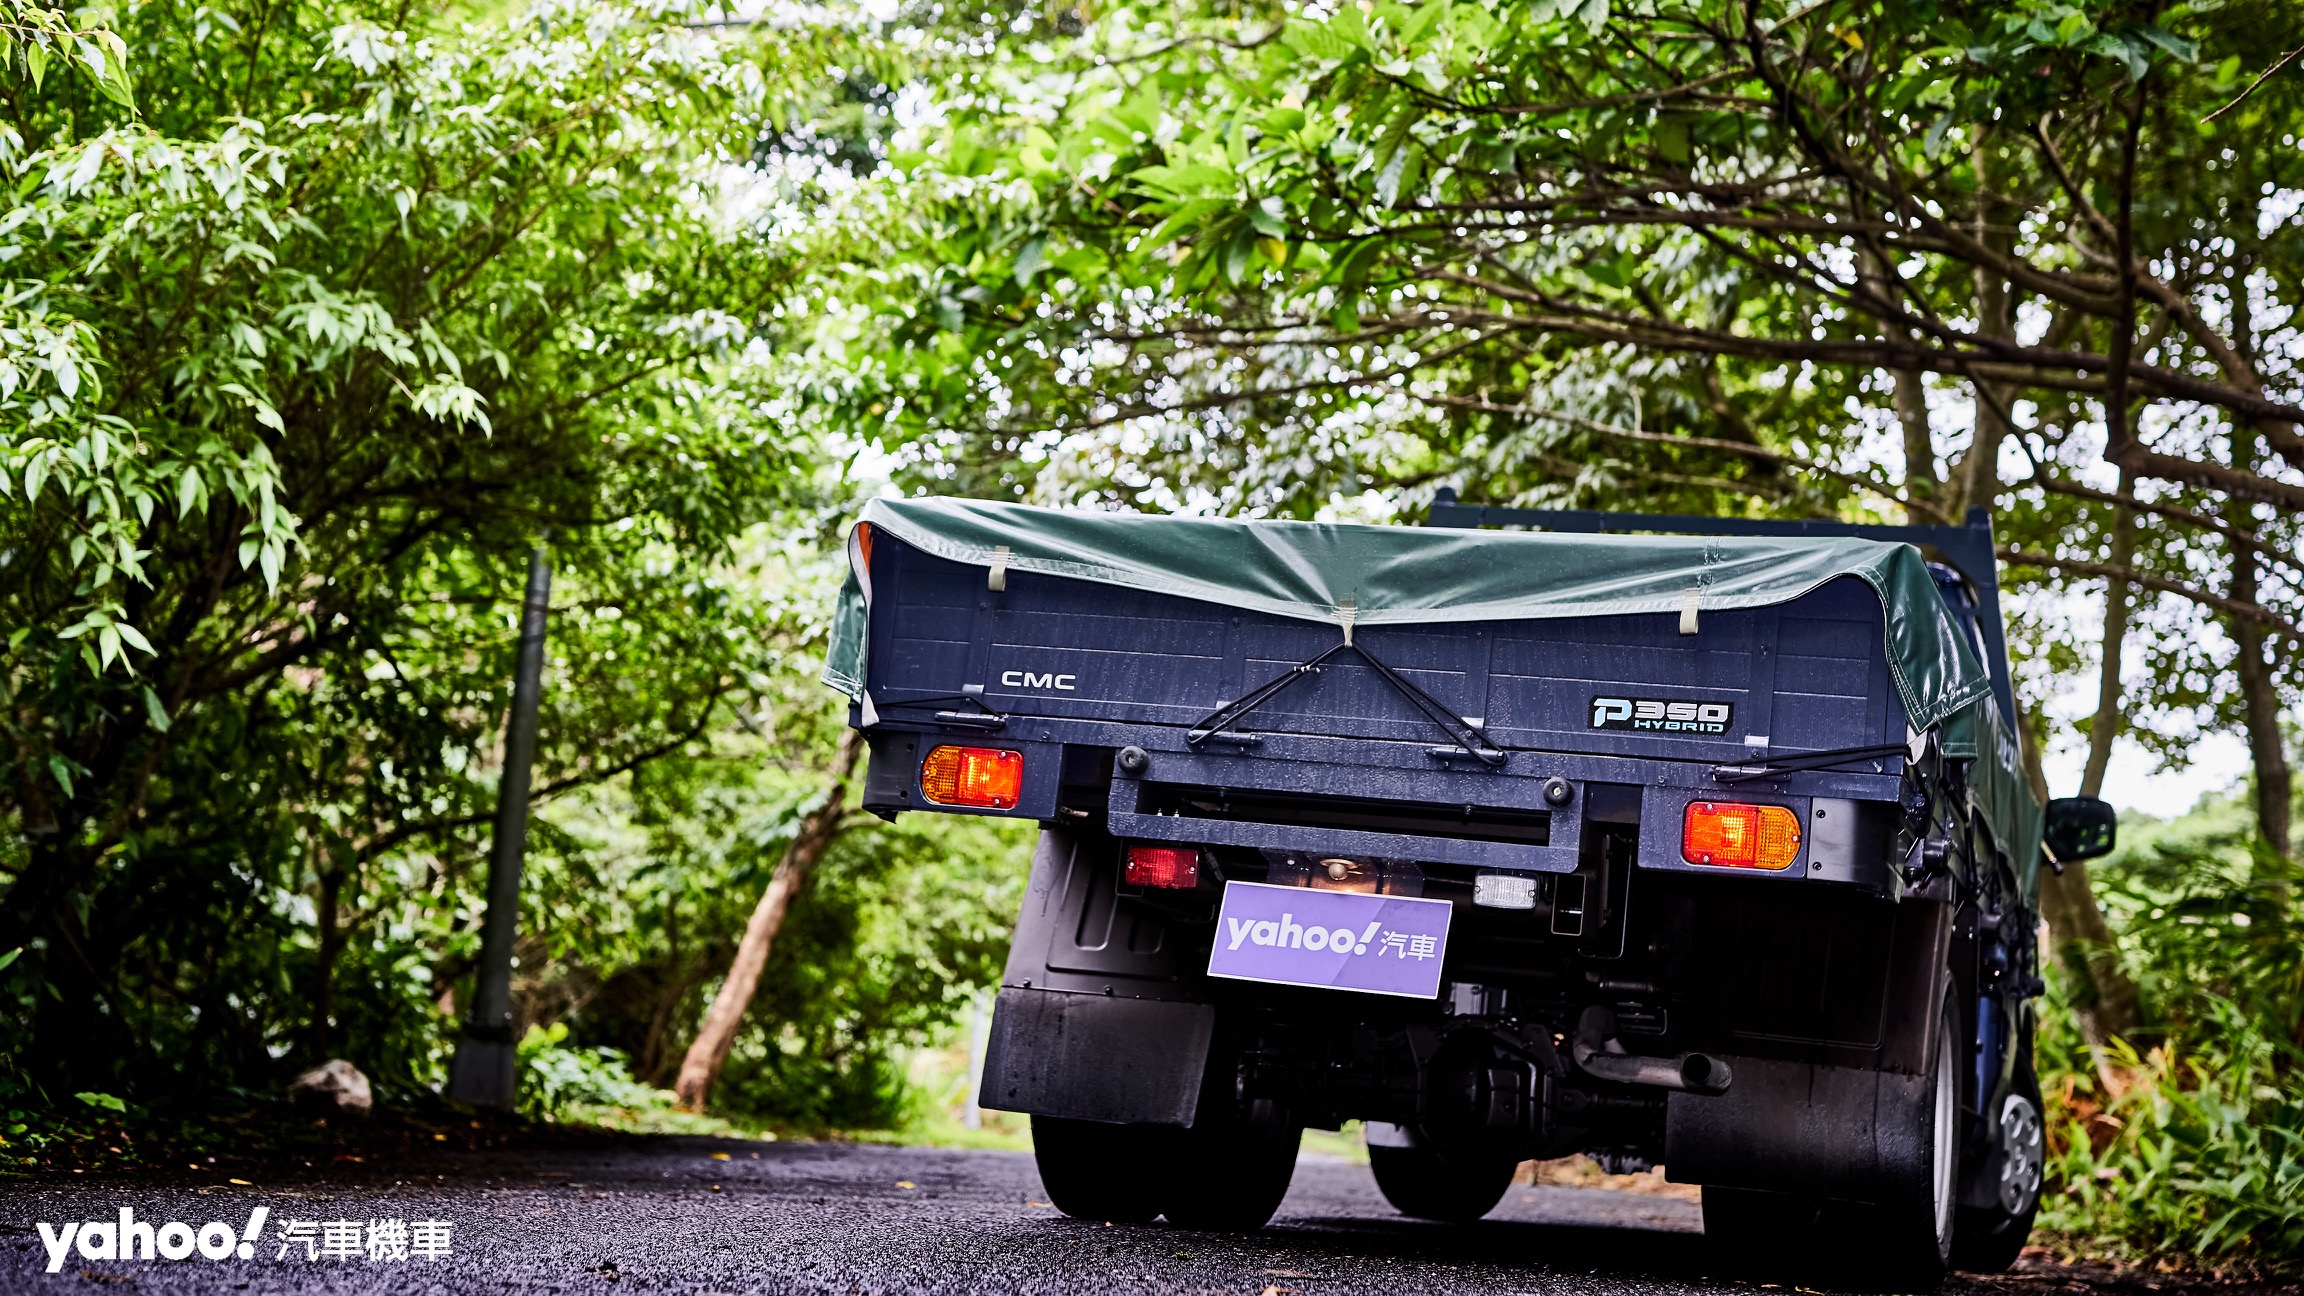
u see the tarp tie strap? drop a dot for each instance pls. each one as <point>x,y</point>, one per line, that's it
<point>996,580</point>
<point>1746,771</point>
<point>1464,735</point>
<point>1347,612</point>
<point>1688,602</point>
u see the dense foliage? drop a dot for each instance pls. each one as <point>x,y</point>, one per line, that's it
<point>1797,259</point>
<point>298,365</point>
<point>2191,1138</point>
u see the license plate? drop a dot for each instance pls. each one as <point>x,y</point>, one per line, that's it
<point>1337,940</point>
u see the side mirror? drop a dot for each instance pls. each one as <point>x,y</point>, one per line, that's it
<point>2079,828</point>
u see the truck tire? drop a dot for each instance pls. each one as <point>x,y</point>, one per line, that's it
<point>1230,1174</point>
<point>1988,1239</point>
<point>1760,1229</point>
<point>1422,1184</point>
<point>1094,1171</point>
<point>1909,1244</point>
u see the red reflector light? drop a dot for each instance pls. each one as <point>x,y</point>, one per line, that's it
<point>988,777</point>
<point>1728,835</point>
<point>1173,867</point>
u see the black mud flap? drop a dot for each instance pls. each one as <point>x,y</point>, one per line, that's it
<point>1093,1057</point>
<point>1826,1131</point>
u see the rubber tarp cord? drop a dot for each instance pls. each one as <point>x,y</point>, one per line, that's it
<point>984,717</point>
<point>1463,734</point>
<point>1747,771</point>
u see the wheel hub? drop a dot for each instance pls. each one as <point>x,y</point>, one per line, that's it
<point>2022,1148</point>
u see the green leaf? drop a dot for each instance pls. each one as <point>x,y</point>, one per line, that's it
<point>1421,21</point>
<point>154,713</point>
<point>2132,52</point>
<point>1672,139</point>
<point>103,1100</point>
<point>1140,113</point>
<point>2176,47</point>
<point>36,61</point>
<point>1239,250</point>
<point>1283,121</point>
<point>1353,270</point>
<point>1186,217</point>
<point>1266,216</point>
<point>1933,143</point>
<point>1399,174</point>
<point>6,959</point>
<point>1316,40</point>
<point>1186,180</point>
<point>1030,259</point>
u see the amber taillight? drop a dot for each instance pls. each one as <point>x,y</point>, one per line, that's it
<point>1728,835</point>
<point>990,778</point>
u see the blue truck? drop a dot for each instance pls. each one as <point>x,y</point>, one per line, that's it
<point>1695,842</point>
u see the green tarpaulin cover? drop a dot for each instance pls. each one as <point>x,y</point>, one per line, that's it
<point>1349,574</point>
<point>1392,575</point>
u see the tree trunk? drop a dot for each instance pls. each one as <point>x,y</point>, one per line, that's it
<point>1909,392</point>
<point>1911,396</point>
<point>2253,663</point>
<point>718,1034</point>
<point>331,945</point>
<point>2260,704</point>
<point>2106,725</point>
<point>1975,480</point>
<point>2103,994</point>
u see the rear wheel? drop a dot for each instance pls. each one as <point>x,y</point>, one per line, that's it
<point>1117,1173</point>
<point>1231,1171</point>
<point>1904,1245</point>
<point>1424,1184</point>
<point>1761,1228</point>
<point>1909,1243</point>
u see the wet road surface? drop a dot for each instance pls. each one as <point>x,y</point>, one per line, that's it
<point>664,1215</point>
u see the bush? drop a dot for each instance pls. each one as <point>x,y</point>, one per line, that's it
<point>2189,1139</point>
<point>554,1077</point>
<point>2199,1151</point>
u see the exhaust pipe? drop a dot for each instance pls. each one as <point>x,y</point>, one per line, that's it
<point>1598,1055</point>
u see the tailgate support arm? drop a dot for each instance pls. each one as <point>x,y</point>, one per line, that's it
<point>1470,739</point>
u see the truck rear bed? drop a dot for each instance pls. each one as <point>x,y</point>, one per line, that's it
<point>1626,701</point>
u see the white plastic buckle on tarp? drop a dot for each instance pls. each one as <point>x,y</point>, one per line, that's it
<point>1688,605</point>
<point>996,580</point>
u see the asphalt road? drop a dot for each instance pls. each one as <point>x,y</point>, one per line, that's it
<point>663,1215</point>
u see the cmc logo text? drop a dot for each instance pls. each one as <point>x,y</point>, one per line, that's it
<point>1036,680</point>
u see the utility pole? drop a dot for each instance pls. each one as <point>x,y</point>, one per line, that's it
<point>485,1072</point>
